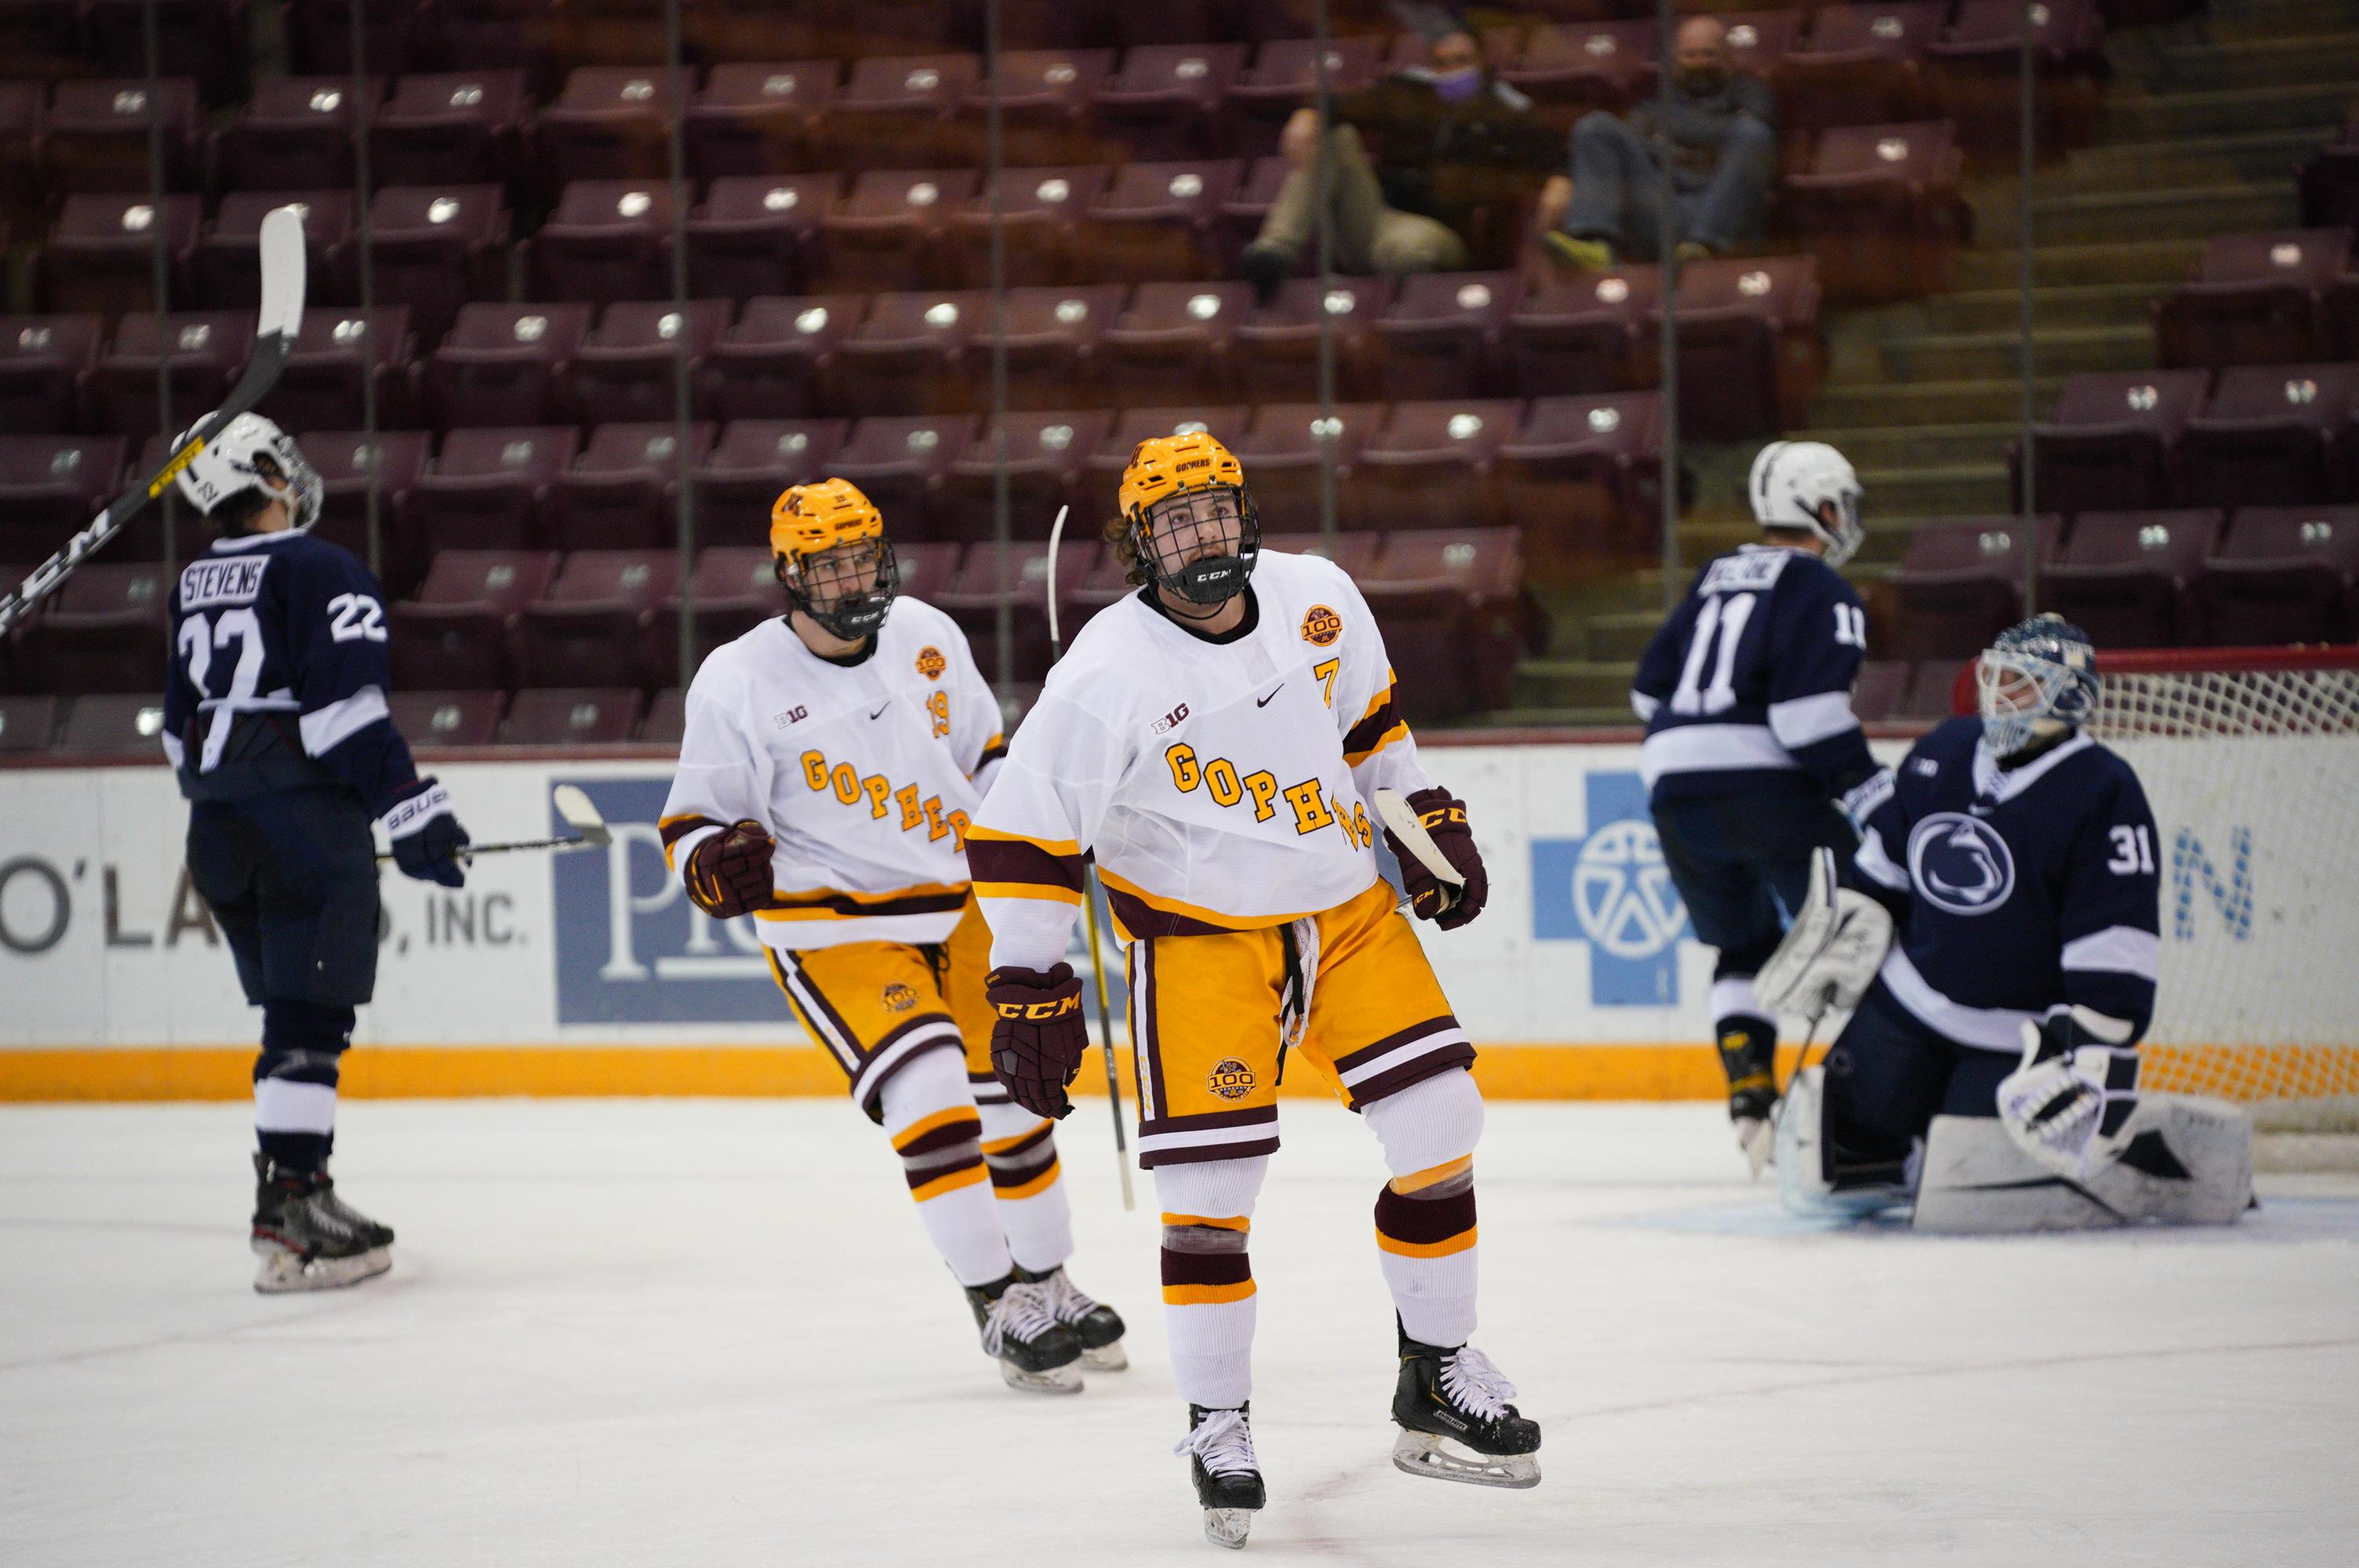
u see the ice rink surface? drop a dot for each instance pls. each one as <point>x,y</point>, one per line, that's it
<point>710,1333</point>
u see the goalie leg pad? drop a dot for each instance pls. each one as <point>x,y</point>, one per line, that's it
<point>1811,1183</point>
<point>2186,1161</point>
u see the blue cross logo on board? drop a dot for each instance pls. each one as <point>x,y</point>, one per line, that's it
<point>1612,891</point>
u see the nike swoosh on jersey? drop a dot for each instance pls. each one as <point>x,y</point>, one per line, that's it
<point>887,703</point>
<point>1263,701</point>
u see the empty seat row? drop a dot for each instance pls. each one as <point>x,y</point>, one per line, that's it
<point>1896,691</point>
<point>2266,298</point>
<point>127,724</point>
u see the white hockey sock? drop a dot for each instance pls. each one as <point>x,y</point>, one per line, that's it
<point>1019,1148</point>
<point>1425,1215</point>
<point>930,1116</point>
<point>1208,1287</point>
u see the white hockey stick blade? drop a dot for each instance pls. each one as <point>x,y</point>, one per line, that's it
<point>283,282</point>
<point>1056,536</point>
<point>580,816</point>
<point>1401,818</point>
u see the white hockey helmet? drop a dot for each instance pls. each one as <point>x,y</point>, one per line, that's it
<point>1793,480</point>
<point>252,453</point>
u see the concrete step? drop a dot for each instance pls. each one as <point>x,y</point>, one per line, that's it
<point>2132,115</point>
<point>2263,155</point>
<point>1623,636</point>
<point>2055,265</point>
<point>1596,683</point>
<point>2244,64</point>
<point>1936,490</point>
<point>1930,403</point>
<point>1910,446</point>
<point>2141,211</point>
<point>1976,356</point>
<point>1998,309</point>
<point>1542,718</point>
<point>2259,18</point>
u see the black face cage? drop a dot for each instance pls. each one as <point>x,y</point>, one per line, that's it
<point>1211,580</point>
<point>851,616</point>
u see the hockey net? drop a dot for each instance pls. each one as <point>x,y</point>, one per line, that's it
<point>2250,760</point>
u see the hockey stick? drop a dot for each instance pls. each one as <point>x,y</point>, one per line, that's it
<point>1090,910</point>
<point>590,832</point>
<point>1396,813</point>
<point>275,327</point>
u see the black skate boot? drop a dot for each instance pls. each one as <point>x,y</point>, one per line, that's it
<point>1097,1325</point>
<point>1456,1424</point>
<point>308,1238</point>
<point>1035,1352</point>
<point>1219,1452</point>
<point>1748,1055</point>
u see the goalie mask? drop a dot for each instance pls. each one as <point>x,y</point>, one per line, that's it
<point>1794,484</point>
<point>2039,679</point>
<point>251,453</point>
<point>828,547</point>
<point>1191,520</point>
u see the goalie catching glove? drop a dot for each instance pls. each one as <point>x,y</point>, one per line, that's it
<point>1038,1035</point>
<point>729,872</point>
<point>1830,953</point>
<point>2074,1093</point>
<point>1449,893</point>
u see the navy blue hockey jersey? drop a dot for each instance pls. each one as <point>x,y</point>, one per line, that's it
<point>1749,681</point>
<point>2019,892</point>
<point>279,673</point>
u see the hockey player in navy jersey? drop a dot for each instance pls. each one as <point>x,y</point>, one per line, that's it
<point>1753,757</point>
<point>275,718</point>
<point>2016,856</point>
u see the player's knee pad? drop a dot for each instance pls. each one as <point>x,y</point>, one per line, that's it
<point>1207,1223</point>
<point>1428,1130</point>
<point>929,1114</point>
<point>1214,1189</point>
<point>1019,1147</point>
<point>301,1041</point>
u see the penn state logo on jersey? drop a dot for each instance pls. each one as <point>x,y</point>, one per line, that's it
<point>1961,863</point>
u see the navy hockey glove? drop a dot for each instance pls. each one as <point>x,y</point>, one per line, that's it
<point>1038,1035</point>
<point>428,842</point>
<point>1443,817</point>
<point>729,872</point>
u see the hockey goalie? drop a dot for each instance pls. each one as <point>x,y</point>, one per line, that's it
<point>1997,937</point>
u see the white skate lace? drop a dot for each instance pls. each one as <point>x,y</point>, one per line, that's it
<point>1223,1441</point>
<point>1066,1302</point>
<point>1474,1385</point>
<point>1021,1313</point>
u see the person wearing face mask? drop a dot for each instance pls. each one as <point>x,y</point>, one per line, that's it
<point>1723,133</point>
<point>1410,160</point>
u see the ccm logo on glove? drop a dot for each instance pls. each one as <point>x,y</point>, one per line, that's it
<point>729,872</point>
<point>1038,1037</point>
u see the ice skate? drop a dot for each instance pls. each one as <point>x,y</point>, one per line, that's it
<point>1097,1325</point>
<point>1035,1352</point>
<point>308,1238</point>
<point>1456,1424</point>
<point>1749,1057</point>
<point>1228,1477</point>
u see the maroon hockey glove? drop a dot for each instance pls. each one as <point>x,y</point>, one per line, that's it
<point>729,872</point>
<point>1444,817</point>
<point>1038,1035</point>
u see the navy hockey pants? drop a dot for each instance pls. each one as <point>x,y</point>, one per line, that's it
<point>1742,861</point>
<point>1888,1075</point>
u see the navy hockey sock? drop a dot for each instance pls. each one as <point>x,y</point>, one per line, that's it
<point>295,1081</point>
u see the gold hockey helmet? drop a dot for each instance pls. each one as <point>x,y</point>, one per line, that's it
<point>1162,467</point>
<point>809,518</point>
<point>845,594</point>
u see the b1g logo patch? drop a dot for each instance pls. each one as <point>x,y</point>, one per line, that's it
<point>900,998</point>
<point>1321,626</point>
<point>1230,1078</point>
<point>931,662</point>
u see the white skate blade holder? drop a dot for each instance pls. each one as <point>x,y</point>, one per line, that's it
<point>1064,1380</point>
<point>1228,1527</point>
<point>1432,1455</point>
<point>283,1271</point>
<point>1106,1358</point>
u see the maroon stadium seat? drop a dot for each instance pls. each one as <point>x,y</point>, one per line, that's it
<point>125,725</point>
<point>592,624</point>
<point>206,35</point>
<point>27,723</point>
<point>2128,577</point>
<point>895,112</point>
<point>909,355</point>
<point>295,133</point>
<point>1044,108</point>
<point>902,464</point>
<point>770,364</point>
<point>1960,585</point>
<point>203,350</point>
<point>1047,454</point>
<point>455,634</point>
<point>1040,216</point>
<point>50,486</point>
<point>1932,694</point>
<point>1161,219</point>
<point>42,38</point>
<point>928,566</point>
<point>1281,452</point>
<point>1759,41</point>
<point>2284,574</point>
<point>1570,69</point>
<point>43,359</point>
<point>1879,208</point>
<point>101,255</point>
<point>395,35</point>
<point>436,247</point>
<point>1863,65</point>
<point>344,459</point>
<point>1277,343</point>
<point>1447,603</point>
<point>2255,299</point>
<point>2329,186</point>
<point>321,386</point>
<point>1247,208</point>
<point>2113,441</point>
<point>619,491</point>
<point>610,123</point>
<point>487,487</point>
<point>503,34</point>
<point>143,537</point>
<point>1877,695</point>
<point>754,119</point>
<point>1355,553</point>
<point>1975,64</point>
<point>227,269</point>
<point>757,234</point>
<point>1053,338</point>
<point>22,104</point>
<point>2266,437</point>
<point>625,370</point>
<point>1443,333</point>
<point>888,233</point>
<point>608,240</point>
<point>504,364</point>
<point>1749,349</point>
<point>666,719</point>
<point>447,718</point>
<point>1284,78</point>
<point>1020,577</point>
<point>753,463</point>
<point>735,589</point>
<point>98,134</point>
<point>104,629</point>
<point>1431,465</point>
<point>571,716</point>
<point>1583,479</point>
<point>453,128</point>
<point>1227,425</point>
<point>1176,342</point>
<point>1583,333</point>
<point>1165,102</point>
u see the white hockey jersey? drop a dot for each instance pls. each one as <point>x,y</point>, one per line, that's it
<point>865,774</point>
<point>1223,785</point>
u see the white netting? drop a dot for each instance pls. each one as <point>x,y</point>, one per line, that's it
<point>2252,772</point>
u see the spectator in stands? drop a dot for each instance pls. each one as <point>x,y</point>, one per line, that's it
<point>1723,146</point>
<point>1408,160</point>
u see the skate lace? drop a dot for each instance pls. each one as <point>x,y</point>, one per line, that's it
<point>1021,1313</point>
<point>1066,1302</point>
<point>1474,1385</point>
<point>1223,1441</point>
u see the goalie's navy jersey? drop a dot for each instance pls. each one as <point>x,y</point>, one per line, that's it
<point>2016,893</point>
<point>1749,684</point>
<point>279,673</point>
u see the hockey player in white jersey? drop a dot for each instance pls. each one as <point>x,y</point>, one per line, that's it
<point>1216,740</point>
<point>831,764</point>
<point>1989,1073</point>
